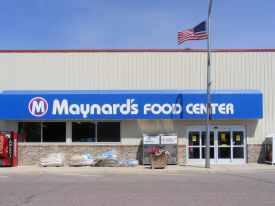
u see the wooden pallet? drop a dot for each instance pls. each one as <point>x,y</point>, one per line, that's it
<point>51,166</point>
<point>80,165</point>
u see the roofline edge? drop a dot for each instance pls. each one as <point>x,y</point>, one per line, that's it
<point>134,50</point>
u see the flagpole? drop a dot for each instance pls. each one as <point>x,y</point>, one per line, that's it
<point>208,104</point>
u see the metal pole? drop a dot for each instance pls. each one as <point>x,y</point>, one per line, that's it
<point>208,105</point>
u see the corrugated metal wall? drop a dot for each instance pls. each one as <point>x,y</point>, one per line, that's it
<point>147,71</point>
<point>81,71</point>
<point>133,129</point>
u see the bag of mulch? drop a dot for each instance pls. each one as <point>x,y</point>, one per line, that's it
<point>54,159</point>
<point>128,163</point>
<point>106,159</point>
<point>89,155</point>
<point>81,160</point>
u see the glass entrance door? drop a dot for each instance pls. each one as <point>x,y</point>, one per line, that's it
<point>238,146</point>
<point>223,148</point>
<point>227,144</point>
<point>211,144</point>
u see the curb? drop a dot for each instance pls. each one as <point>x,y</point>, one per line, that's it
<point>189,169</point>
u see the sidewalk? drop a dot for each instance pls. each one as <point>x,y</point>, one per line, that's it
<point>214,168</point>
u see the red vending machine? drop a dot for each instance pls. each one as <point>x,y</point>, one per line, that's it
<point>8,149</point>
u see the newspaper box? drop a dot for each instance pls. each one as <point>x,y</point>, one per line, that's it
<point>170,143</point>
<point>269,154</point>
<point>149,142</point>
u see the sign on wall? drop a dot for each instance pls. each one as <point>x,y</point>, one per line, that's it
<point>169,140</point>
<point>129,104</point>
<point>150,140</point>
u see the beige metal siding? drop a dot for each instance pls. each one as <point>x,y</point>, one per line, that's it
<point>132,130</point>
<point>148,71</point>
<point>103,71</point>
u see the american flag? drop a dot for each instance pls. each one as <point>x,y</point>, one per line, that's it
<point>196,33</point>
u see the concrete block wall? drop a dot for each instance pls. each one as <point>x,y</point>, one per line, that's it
<point>31,154</point>
<point>256,153</point>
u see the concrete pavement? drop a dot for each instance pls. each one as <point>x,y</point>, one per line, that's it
<point>200,168</point>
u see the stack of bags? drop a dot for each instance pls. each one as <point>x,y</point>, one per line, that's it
<point>128,163</point>
<point>54,159</point>
<point>107,159</point>
<point>82,160</point>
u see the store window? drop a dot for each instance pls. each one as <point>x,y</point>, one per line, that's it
<point>108,132</point>
<point>95,131</point>
<point>43,131</point>
<point>83,131</point>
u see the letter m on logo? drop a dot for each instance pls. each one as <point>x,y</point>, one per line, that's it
<point>38,108</point>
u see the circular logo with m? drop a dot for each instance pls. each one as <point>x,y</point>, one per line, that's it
<point>38,106</point>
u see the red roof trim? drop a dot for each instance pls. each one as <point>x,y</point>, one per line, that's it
<point>136,50</point>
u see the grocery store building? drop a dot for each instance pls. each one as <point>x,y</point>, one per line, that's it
<point>77,101</point>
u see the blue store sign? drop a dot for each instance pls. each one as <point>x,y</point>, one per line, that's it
<point>130,104</point>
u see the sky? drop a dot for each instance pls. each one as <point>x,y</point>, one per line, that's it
<point>133,24</point>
